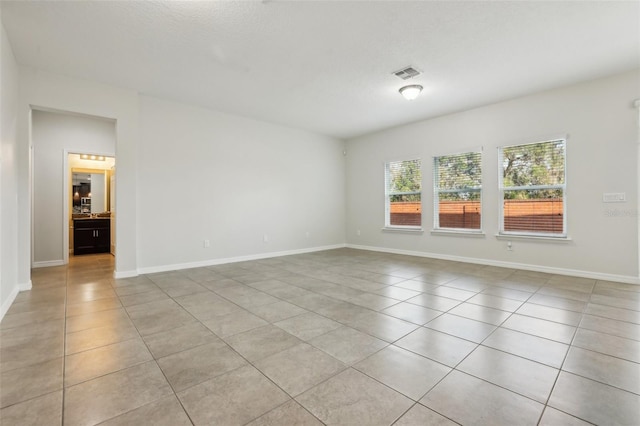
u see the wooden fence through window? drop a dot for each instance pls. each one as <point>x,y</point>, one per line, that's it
<point>519,215</point>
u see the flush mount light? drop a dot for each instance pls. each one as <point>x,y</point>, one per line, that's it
<point>410,92</point>
<point>92,157</point>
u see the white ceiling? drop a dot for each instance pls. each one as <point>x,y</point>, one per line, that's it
<point>327,66</point>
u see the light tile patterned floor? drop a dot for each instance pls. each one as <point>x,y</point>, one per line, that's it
<point>337,337</point>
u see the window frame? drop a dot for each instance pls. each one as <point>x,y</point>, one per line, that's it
<point>388,194</point>
<point>501,190</point>
<point>437,191</point>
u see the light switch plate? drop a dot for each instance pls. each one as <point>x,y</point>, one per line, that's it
<point>614,197</point>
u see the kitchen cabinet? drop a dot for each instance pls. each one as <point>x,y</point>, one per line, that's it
<point>91,236</point>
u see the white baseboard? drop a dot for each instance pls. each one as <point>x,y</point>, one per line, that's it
<point>222,261</point>
<point>512,265</point>
<point>47,263</point>
<point>25,286</point>
<point>7,303</point>
<point>125,274</point>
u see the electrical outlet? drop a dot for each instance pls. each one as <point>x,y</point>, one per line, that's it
<point>265,238</point>
<point>509,246</point>
<point>206,244</point>
<point>358,232</point>
<point>307,234</point>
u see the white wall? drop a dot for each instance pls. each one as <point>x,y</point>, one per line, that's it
<point>277,164</point>
<point>53,136</point>
<point>601,123</point>
<point>47,91</point>
<point>231,180</point>
<point>9,283</point>
<point>181,144</point>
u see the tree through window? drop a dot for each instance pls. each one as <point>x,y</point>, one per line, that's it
<point>532,183</point>
<point>403,181</point>
<point>458,191</point>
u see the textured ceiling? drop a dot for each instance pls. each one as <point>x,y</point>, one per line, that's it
<point>326,66</point>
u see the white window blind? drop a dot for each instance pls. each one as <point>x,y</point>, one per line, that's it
<point>403,194</point>
<point>533,189</point>
<point>457,185</point>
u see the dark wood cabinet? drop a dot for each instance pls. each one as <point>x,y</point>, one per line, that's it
<point>91,236</point>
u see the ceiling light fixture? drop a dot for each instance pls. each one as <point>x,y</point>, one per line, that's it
<point>410,92</point>
<point>92,157</point>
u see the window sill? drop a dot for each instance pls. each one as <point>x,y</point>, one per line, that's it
<point>458,233</point>
<point>534,238</point>
<point>403,230</point>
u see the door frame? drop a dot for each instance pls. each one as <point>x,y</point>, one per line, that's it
<point>66,196</point>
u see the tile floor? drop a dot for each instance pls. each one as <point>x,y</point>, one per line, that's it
<point>337,337</point>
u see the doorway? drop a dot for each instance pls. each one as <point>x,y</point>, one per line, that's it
<point>55,135</point>
<point>91,204</point>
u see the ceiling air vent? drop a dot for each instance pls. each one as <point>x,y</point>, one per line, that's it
<point>407,73</point>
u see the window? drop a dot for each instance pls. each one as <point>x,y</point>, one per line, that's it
<point>403,181</point>
<point>532,186</point>
<point>457,182</point>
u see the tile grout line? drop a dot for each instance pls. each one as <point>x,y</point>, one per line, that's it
<point>64,344</point>
<point>155,362</point>
<point>564,359</point>
<point>454,368</point>
<point>291,398</point>
<point>249,363</point>
<point>348,366</point>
